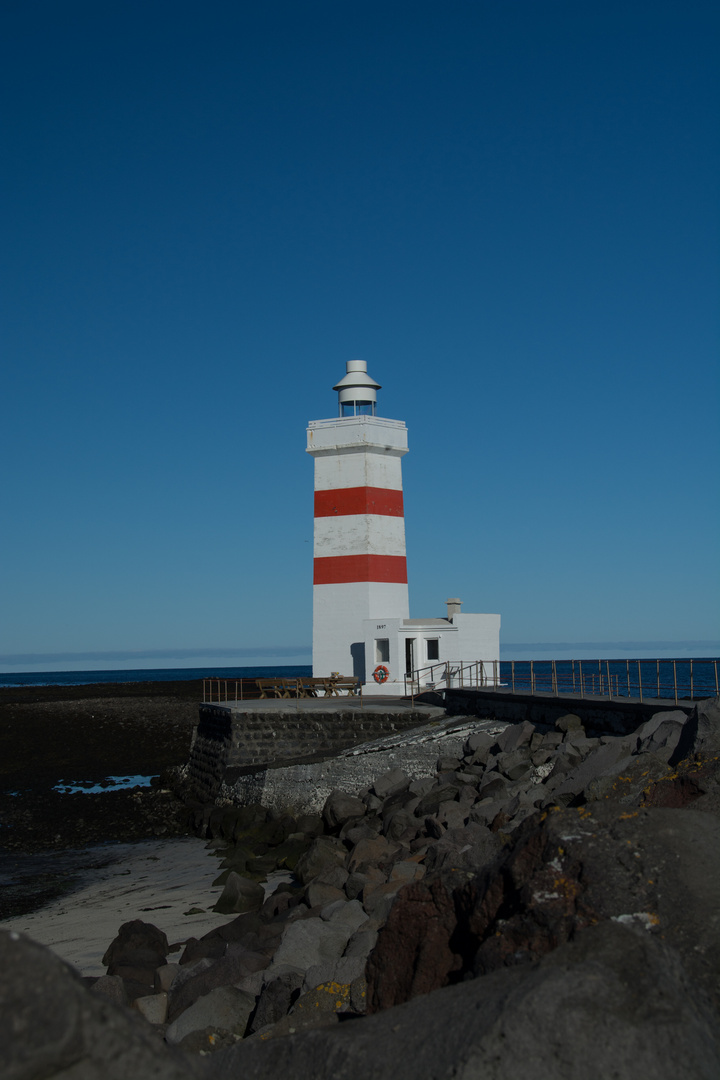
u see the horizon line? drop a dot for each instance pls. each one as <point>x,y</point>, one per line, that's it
<point>252,652</point>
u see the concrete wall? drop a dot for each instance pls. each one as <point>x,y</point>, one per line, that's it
<point>600,717</point>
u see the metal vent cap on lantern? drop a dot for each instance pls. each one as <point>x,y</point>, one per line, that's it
<point>357,392</point>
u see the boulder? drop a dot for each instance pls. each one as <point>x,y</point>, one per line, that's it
<point>431,801</point>
<point>612,1003</point>
<point>471,848</point>
<point>319,893</point>
<point>240,895</point>
<point>390,783</point>
<point>224,972</point>
<point>339,807</point>
<point>342,972</point>
<point>324,853</point>
<point>223,1009</point>
<point>515,736</point>
<point>656,869</point>
<point>372,852</point>
<point>478,744</point>
<point>152,1008</point>
<point>569,722</point>
<point>51,1025</point>
<point>308,942</point>
<point>276,999</point>
<point>140,947</point>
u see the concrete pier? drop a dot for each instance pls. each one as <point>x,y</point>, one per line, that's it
<point>239,737</point>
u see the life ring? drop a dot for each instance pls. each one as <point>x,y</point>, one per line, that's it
<point>381,674</point>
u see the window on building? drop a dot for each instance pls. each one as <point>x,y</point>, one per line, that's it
<point>382,650</point>
<point>433,648</point>
<point>358,408</point>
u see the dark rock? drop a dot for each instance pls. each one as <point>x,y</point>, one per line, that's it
<point>240,895</point>
<point>569,722</point>
<point>310,824</point>
<point>470,848</point>
<point>661,733</point>
<point>628,781</point>
<point>602,762</point>
<point>280,901</point>
<point>308,942</point>
<point>51,1025</point>
<point>515,763</point>
<point>339,807</point>
<point>398,822</point>
<point>422,786</point>
<point>224,972</point>
<point>515,736</point>
<point>378,851</point>
<point>324,853</point>
<point>136,952</point>
<point>613,1003</point>
<point>479,743</point>
<point>353,831</point>
<point>342,973</point>
<point>224,1009</point>
<point>701,734</point>
<point>319,893</point>
<point>416,950</point>
<point>390,783</point>
<point>494,787</point>
<point>430,802</point>
<point>110,987</point>
<point>566,870</point>
<point>448,764</point>
<point>276,999</point>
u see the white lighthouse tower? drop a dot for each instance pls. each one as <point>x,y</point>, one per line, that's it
<point>361,617</point>
<point>360,569</point>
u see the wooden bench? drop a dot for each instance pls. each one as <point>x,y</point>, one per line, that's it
<point>277,688</point>
<point>330,686</point>
<point>348,683</point>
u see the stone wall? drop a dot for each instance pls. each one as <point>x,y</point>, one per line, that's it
<point>305,787</point>
<point>245,740</point>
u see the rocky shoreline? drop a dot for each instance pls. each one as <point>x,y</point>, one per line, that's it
<point>543,904</point>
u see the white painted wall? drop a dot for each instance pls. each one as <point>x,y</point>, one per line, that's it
<point>352,534</point>
<point>361,451</point>
<point>468,638</point>
<point>338,614</point>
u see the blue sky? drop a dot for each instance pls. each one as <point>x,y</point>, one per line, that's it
<point>510,211</point>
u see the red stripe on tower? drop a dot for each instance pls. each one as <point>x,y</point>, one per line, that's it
<point>340,569</point>
<point>359,500</point>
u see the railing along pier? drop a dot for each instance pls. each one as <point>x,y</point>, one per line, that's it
<point>641,680</point>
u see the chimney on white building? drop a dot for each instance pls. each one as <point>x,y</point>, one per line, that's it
<point>453,607</point>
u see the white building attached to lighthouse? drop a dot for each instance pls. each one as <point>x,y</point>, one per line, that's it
<point>361,621</point>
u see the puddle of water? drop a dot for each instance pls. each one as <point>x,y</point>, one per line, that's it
<point>110,783</point>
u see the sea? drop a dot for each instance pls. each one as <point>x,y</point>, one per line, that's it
<point>665,678</point>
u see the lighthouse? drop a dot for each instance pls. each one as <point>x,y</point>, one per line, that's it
<point>359,562</point>
<point>361,616</point>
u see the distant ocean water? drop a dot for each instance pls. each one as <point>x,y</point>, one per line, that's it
<point>626,678</point>
<point>141,675</point>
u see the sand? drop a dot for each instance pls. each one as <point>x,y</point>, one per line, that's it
<point>157,881</point>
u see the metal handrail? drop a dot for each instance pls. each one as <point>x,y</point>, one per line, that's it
<point>611,679</point>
